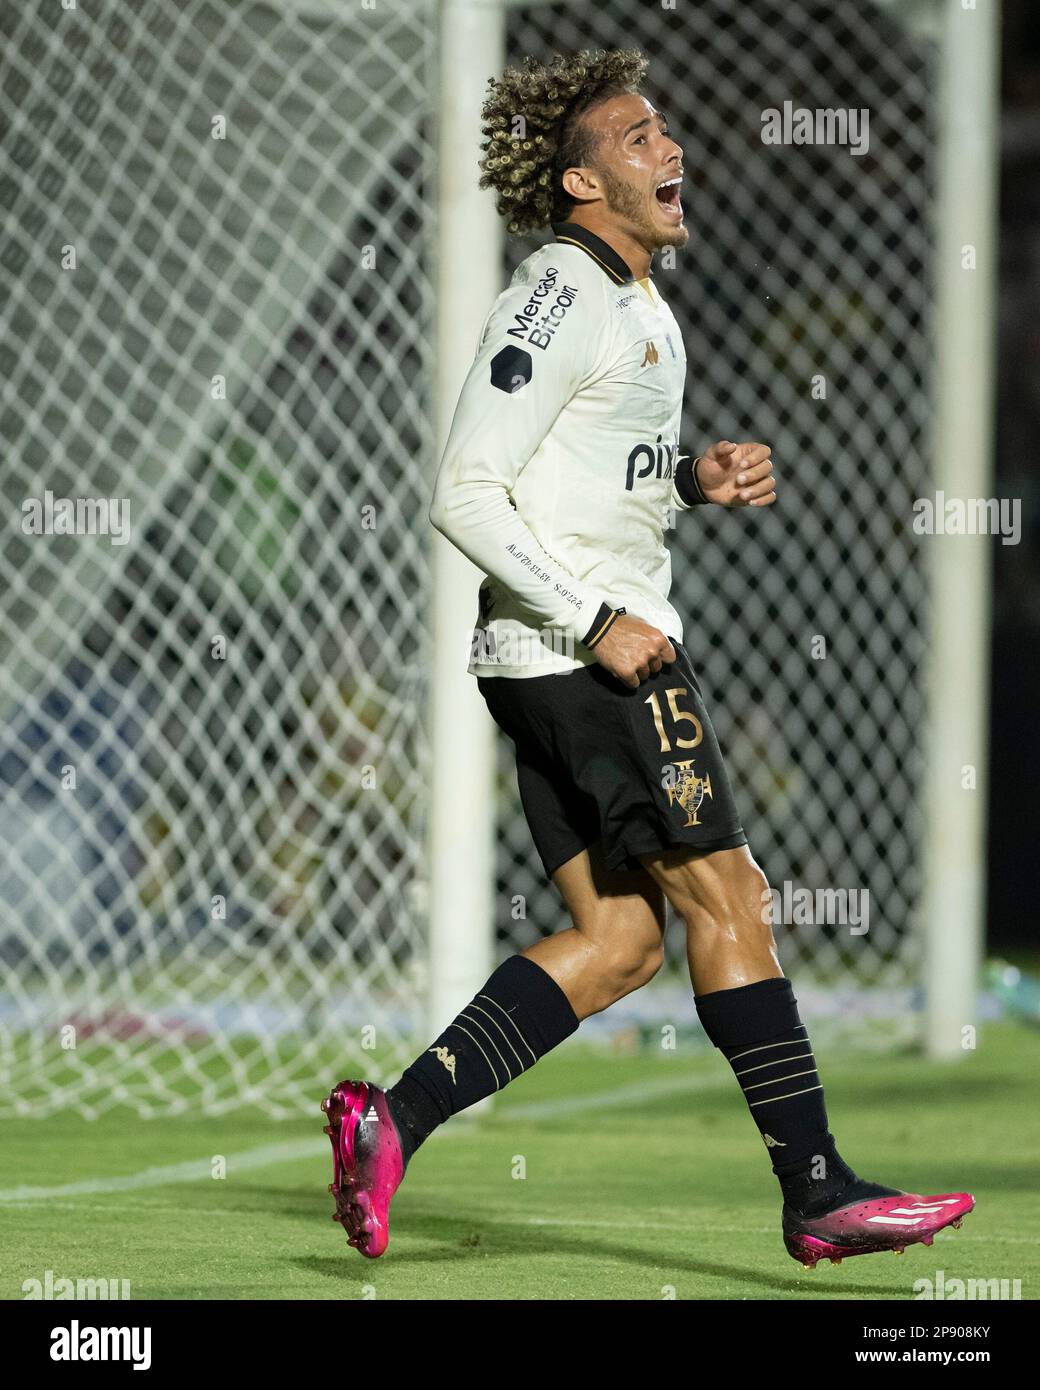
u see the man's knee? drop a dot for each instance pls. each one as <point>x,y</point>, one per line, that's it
<point>637,964</point>
<point>624,961</point>
<point>727,892</point>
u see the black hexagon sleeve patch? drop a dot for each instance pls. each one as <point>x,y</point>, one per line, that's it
<point>511,369</point>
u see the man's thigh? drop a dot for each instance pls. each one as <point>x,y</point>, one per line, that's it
<point>603,902</point>
<point>702,880</point>
<point>615,941</point>
<point>723,899</point>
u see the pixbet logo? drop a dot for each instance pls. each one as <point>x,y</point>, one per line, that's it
<point>658,459</point>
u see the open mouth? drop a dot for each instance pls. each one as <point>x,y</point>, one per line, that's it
<point>668,195</point>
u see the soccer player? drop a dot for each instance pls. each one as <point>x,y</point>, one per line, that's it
<point>561,469</point>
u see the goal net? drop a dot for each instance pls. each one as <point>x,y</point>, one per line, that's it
<point>217,307</point>
<point>804,298</point>
<point>216,403</point>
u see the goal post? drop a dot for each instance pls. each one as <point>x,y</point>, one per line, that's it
<point>954,906</point>
<point>462,800</point>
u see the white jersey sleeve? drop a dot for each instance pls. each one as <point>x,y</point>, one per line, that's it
<point>540,343</point>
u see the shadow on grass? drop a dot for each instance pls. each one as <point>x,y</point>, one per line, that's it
<point>463,1241</point>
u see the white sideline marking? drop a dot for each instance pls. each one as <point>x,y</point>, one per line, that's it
<point>192,1170</point>
<point>195,1169</point>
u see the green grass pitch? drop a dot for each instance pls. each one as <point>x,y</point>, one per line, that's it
<point>594,1177</point>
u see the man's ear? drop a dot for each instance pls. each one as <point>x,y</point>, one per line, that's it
<point>581,184</point>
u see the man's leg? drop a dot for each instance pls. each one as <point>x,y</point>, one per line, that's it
<point>616,942</point>
<point>749,1012</point>
<point>529,1005</point>
<point>535,1000</point>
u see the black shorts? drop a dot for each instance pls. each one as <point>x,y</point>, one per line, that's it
<point>640,770</point>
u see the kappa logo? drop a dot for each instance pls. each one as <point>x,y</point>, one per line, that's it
<point>651,359</point>
<point>772,1143</point>
<point>446,1060</point>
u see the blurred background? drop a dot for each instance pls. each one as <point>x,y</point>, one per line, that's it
<point>223,300</point>
<point>1012,920</point>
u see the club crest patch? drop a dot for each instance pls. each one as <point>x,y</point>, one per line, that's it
<point>687,789</point>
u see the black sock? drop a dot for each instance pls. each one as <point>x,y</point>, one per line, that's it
<point>759,1032</point>
<point>519,1016</point>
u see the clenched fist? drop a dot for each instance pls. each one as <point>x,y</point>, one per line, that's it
<point>737,475</point>
<point>633,651</point>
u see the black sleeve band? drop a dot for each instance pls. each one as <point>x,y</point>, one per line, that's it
<point>686,484</point>
<point>604,621</point>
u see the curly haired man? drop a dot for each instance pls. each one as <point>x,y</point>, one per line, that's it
<point>562,467</point>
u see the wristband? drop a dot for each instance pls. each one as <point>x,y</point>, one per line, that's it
<point>605,620</point>
<point>686,484</point>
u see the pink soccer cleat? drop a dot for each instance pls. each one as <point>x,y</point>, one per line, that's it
<point>367,1162</point>
<point>867,1228</point>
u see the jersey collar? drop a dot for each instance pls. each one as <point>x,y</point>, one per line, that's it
<point>605,256</point>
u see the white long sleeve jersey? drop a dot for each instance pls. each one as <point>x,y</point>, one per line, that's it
<point>558,474</point>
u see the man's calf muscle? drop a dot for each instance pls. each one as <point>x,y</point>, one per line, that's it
<point>722,897</point>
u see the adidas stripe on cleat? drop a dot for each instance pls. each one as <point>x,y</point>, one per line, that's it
<point>871,1227</point>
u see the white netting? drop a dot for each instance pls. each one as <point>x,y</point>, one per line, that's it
<point>803,261</point>
<point>241,349</point>
<point>231,333</point>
